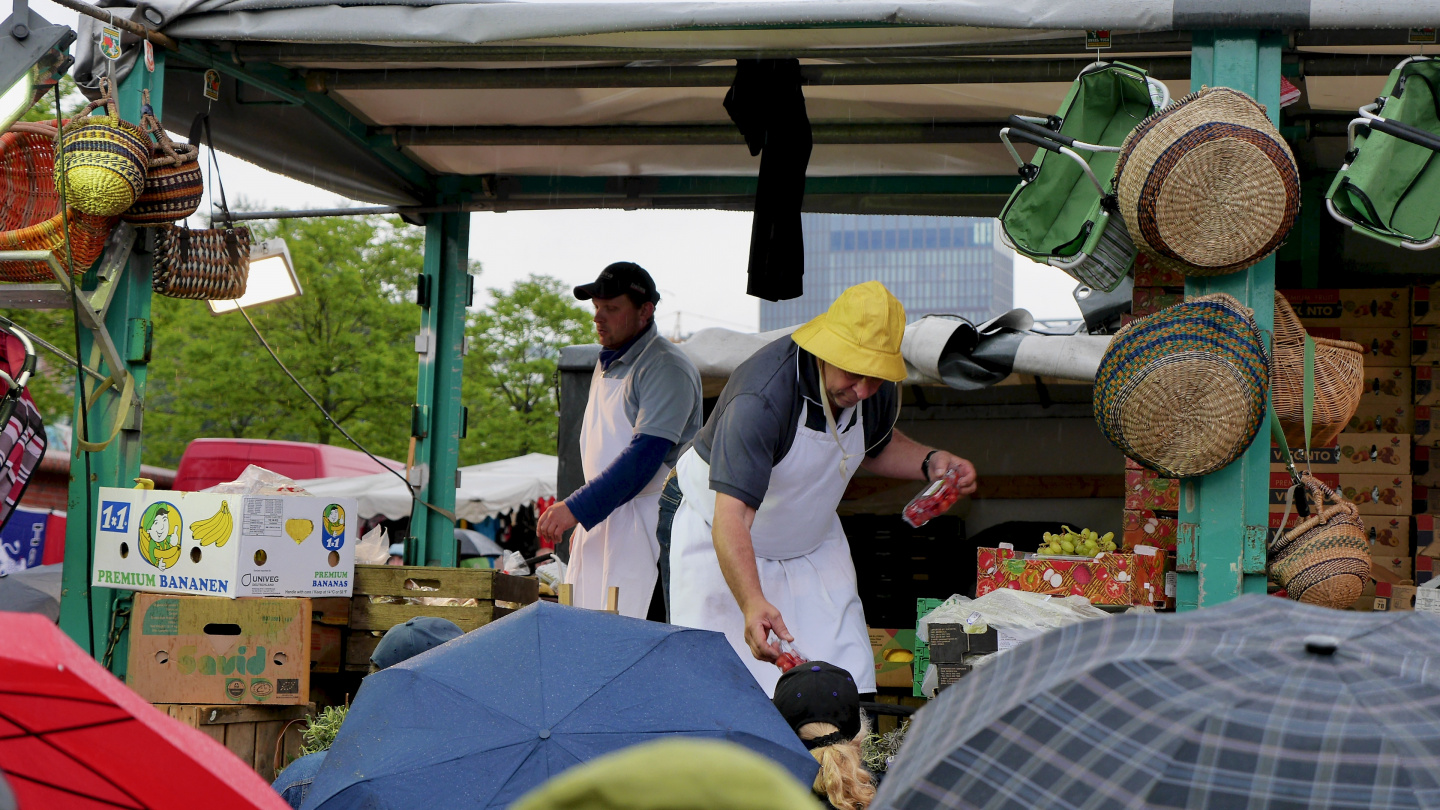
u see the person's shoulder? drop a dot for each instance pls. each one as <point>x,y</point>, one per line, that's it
<point>670,355</point>
<point>770,368</point>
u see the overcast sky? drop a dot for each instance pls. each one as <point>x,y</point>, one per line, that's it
<point>697,257</point>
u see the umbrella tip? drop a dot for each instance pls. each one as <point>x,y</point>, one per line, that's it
<point>1321,645</point>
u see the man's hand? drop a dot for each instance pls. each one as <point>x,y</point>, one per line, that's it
<point>555,522</point>
<point>943,462</point>
<point>760,620</point>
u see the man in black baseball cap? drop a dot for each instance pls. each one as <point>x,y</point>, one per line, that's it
<point>644,406</point>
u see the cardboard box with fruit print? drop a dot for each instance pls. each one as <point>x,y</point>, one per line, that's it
<point>1107,579</point>
<point>224,545</point>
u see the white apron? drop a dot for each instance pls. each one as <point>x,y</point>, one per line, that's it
<point>621,550</point>
<point>801,554</point>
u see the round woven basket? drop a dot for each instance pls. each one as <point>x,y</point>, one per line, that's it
<point>30,216</point>
<point>1207,186</point>
<point>1325,560</point>
<point>1339,380</point>
<point>1182,391</point>
<point>173,182</point>
<point>106,158</point>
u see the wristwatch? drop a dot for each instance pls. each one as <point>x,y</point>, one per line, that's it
<point>925,465</point>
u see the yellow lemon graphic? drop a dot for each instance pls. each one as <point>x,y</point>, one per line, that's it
<point>299,529</point>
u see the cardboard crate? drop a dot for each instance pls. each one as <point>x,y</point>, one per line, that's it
<point>1427,542</point>
<point>894,652</point>
<point>1108,579</point>
<point>248,545</point>
<point>1384,346</point>
<point>1351,307</point>
<point>1386,453</point>
<point>496,595</point>
<point>1145,490</point>
<point>1425,462</point>
<point>327,644</point>
<point>199,649</point>
<point>1394,570</point>
<point>258,735</point>
<point>1387,533</point>
<point>1394,597</point>
<point>1373,494</point>
<point>359,646</point>
<point>1321,458</point>
<point>1421,311</point>
<point>1424,345</point>
<point>1149,274</point>
<point>1146,527</point>
<point>1425,392</point>
<point>1424,570</point>
<point>1384,417</point>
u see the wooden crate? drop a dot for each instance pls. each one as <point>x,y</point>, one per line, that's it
<point>252,733</point>
<point>358,649</point>
<point>485,586</point>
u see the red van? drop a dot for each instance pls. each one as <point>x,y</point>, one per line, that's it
<point>207,462</point>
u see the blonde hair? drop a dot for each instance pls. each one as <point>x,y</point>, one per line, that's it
<point>843,778</point>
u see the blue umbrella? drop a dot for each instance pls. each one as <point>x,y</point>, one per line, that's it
<point>482,719</point>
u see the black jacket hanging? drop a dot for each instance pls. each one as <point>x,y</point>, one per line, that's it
<point>766,104</point>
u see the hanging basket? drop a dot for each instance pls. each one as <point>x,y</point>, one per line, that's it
<point>1182,391</point>
<point>211,264</point>
<point>105,159</point>
<point>1207,186</point>
<point>1339,380</point>
<point>1325,560</point>
<point>174,184</point>
<point>30,213</point>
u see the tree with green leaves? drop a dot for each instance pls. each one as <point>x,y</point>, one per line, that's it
<point>512,384</point>
<point>349,338</point>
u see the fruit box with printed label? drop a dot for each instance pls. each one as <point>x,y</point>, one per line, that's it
<point>1146,490</point>
<point>1108,579</point>
<point>1384,346</point>
<point>1373,494</point>
<point>1359,307</point>
<point>198,649</point>
<point>224,545</point>
<point>1388,384</point>
<point>1385,417</point>
<point>1145,527</point>
<point>894,656</point>
<point>1427,542</point>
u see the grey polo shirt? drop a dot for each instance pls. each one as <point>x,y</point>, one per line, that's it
<point>754,423</point>
<point>662,390</point>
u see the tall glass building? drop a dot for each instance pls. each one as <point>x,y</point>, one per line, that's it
<point>933,265</point>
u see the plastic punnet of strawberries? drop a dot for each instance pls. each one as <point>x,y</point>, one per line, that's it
<point>790,657</point>
<point>934,500</point>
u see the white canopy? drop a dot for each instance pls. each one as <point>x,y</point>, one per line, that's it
<point>485,490</point>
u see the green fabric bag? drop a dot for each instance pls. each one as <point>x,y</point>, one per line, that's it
<point>1389,188</point>
<point>1056,215</point>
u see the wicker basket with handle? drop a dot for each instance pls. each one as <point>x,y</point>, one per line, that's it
<point>1338,380</point>
<point>105,158</point>
<point>1325,560</point>
<point>30,215</point>
<point>174,184</point>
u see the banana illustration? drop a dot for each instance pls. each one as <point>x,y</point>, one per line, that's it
<point>214,529</point>
<point>299,529</point>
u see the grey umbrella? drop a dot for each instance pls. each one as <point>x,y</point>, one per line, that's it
<point>1257,703</point>
<point>32,590</point>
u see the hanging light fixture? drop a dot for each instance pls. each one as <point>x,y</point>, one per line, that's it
<point>272,278</point>
<point>34,54</point>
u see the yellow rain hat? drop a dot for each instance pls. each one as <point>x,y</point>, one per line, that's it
<point>860,333</point>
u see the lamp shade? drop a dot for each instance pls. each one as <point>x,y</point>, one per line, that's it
<point>272,278</point>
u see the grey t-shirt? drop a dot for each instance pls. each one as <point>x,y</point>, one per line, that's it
<point>662,392</point>
<point>754,422</point>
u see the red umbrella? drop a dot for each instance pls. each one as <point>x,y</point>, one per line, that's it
<point>73,737</point>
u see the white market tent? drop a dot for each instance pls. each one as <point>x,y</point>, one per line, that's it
<point>485,490</point>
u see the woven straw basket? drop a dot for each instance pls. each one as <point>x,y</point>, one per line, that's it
<point>30,216</point>
<point>1182,391</point>
<point>106,159</point>
<point>1339,380</point>
<point>1326,559</point>
<point>1207,186</point>
<point>174,185</point>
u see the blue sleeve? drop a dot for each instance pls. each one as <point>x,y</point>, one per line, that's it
<point>619,482</point>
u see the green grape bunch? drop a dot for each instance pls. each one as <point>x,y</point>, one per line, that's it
<point>1070,543</point>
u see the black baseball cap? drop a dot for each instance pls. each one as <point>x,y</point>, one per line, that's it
<point>621,278</point>
<point>817,692</point>
<point>418,635</point>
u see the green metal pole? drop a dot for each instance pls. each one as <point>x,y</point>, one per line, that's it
<point>439,422</point>
<point>85,612</point>
<point>1224,517</point>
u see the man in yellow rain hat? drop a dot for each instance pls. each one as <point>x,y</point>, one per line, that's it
<point>756,546</point>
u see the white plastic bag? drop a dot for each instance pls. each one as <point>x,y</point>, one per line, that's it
<point>515,564</point>
<point>373,548</point>
<point>258,481</point>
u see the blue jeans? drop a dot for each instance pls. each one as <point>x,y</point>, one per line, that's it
<point>670,498</point>
<point>293,783</point>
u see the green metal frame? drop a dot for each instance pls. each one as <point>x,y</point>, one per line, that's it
<point>1224,517</point>
<point>440,413</point>
<point>86,613</point>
